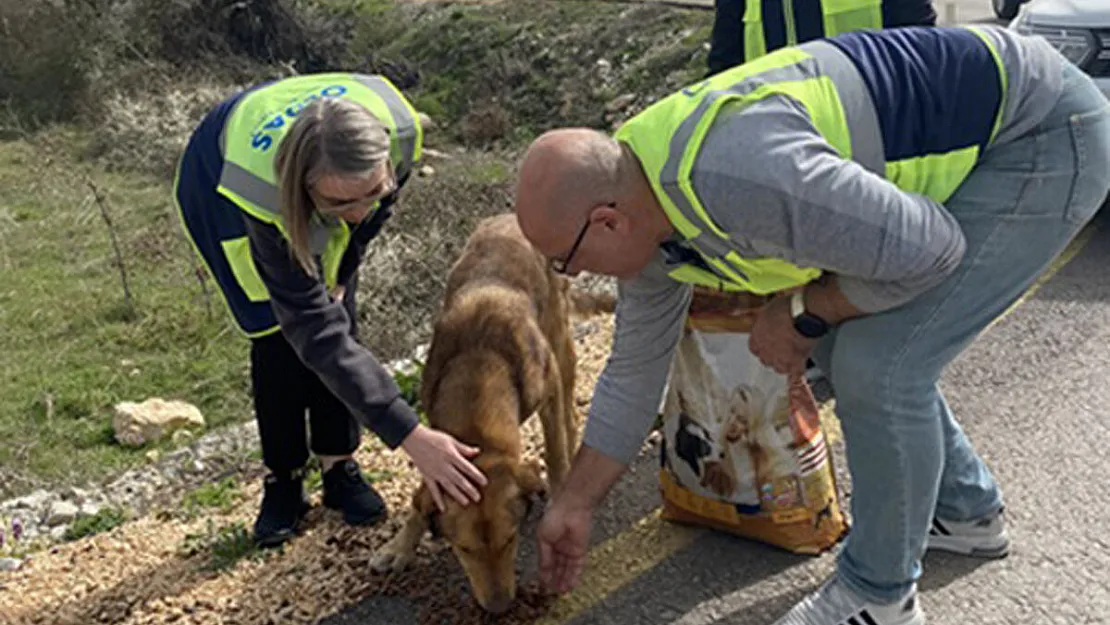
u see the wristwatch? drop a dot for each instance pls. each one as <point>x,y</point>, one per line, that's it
<point>807,324</point>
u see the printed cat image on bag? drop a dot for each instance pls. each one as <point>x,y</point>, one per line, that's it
<point>743,447</point>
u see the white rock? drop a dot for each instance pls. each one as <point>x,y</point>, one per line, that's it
<point>35,500</point>
<point>58,533</point>
<point>620,102</point>
<point>136,424</point>
<point>7,565</point>
<point>427,170</point>
<point>436,154</point>
<point>426,120</point>
<point>61,512</point>
<point>89,508</point>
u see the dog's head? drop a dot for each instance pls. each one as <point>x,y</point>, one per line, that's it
<point>484,536</point>
<point>694,444</point>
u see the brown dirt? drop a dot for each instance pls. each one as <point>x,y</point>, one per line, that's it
<point>137,574</point>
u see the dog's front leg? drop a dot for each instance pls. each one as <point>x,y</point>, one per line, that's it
<point>401,549</point>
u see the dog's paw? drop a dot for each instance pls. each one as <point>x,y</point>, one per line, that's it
<point>389,560</point>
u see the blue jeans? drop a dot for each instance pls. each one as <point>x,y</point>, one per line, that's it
<point>908,457</point>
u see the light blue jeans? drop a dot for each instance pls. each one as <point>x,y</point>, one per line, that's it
<point>907,456</point>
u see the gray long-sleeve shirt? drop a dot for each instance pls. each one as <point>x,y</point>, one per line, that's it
<point>770,180</point>
<point>319,329</point>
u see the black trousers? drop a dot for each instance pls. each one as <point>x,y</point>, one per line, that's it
<point>284,389</point>
<point>726,48</point>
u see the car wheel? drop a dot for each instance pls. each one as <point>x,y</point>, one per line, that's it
<point>1006,9</point>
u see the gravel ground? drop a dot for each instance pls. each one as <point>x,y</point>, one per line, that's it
<point>141,574</point>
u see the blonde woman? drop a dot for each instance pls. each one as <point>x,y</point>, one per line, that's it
<point>280,189</point>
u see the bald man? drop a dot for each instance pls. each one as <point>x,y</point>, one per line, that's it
<point>913,181</point>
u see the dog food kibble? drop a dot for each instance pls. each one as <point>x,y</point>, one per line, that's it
<point>743,447</point>
<point>437,589</point>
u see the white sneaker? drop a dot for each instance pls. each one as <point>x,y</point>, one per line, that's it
<point>982,538</point>
<point>836,604</point>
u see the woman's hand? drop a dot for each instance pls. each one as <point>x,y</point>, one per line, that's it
<point>442,462</point>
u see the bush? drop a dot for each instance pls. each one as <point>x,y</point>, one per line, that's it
<point>146,132</point>
<point>303,35</point>
<point>102,521</point>
<point>44,54</point>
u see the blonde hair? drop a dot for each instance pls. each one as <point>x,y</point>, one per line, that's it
<point>331,136</point>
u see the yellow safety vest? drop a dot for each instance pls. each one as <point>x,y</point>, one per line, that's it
<point>667,136</point>
<point>837,16</point>
<point>249,142</point>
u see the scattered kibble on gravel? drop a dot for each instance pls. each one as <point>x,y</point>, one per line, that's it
<point>139,575</point>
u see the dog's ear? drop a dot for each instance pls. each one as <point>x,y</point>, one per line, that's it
<point>534,371</point>
<point>425,505</point>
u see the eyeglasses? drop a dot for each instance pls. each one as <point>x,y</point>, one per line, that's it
<point>331,206</point>
<point>559,265</point>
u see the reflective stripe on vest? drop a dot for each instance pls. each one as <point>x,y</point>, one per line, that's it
<point>666,137</point>
<point>259,122</point>
<point>789,19</point>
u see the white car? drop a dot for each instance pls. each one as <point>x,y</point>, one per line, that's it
<point>1079,29</point>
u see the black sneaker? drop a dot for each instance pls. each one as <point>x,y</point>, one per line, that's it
<point>284,505</point>
<point>346,490</point>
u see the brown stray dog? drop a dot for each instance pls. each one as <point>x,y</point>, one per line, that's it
<point>501,350</point>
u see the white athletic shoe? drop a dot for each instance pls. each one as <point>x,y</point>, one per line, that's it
<point>836,604</point>
<point>981,538</point>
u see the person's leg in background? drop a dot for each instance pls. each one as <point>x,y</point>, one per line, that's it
<point>909,461</point>
<point>335,436</point>
<point>908,13</point>
<point>726,45</point>
<point>279,383</point>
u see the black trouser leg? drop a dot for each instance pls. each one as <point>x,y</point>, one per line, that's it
<point>334,430</point>
<point>280,383</point>
<point>726,47</point>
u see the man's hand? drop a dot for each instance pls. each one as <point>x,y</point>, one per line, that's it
<point>563,536</point>
<point>776,343</point>
<point>564,533</point>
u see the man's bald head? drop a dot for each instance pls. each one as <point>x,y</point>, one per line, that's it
<point>584,202</point>
<point>564,174</point>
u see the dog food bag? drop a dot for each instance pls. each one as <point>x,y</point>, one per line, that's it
<point>743,448</point>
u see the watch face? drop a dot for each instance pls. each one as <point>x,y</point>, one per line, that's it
<point>809,326</point>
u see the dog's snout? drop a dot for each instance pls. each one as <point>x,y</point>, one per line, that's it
<point>499,603</point>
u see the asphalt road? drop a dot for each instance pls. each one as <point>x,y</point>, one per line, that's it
<point>1033,395</point>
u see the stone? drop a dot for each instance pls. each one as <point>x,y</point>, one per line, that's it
<point>153,456</point>
<point>136,424</point>
<point>181,437</point>
<point>35,500</point>
<point>89,508</point>
<point>620,102</point>
<point>61,512</point>
<point>436,154</point>
<point>8,565</point>
<point>58,533</point>
<point>426,120</point>
<point>427,170</point>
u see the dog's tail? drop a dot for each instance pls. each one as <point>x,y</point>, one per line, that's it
<point>586,303</point>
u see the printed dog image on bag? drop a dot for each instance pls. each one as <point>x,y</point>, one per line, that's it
<point>743,448</point>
